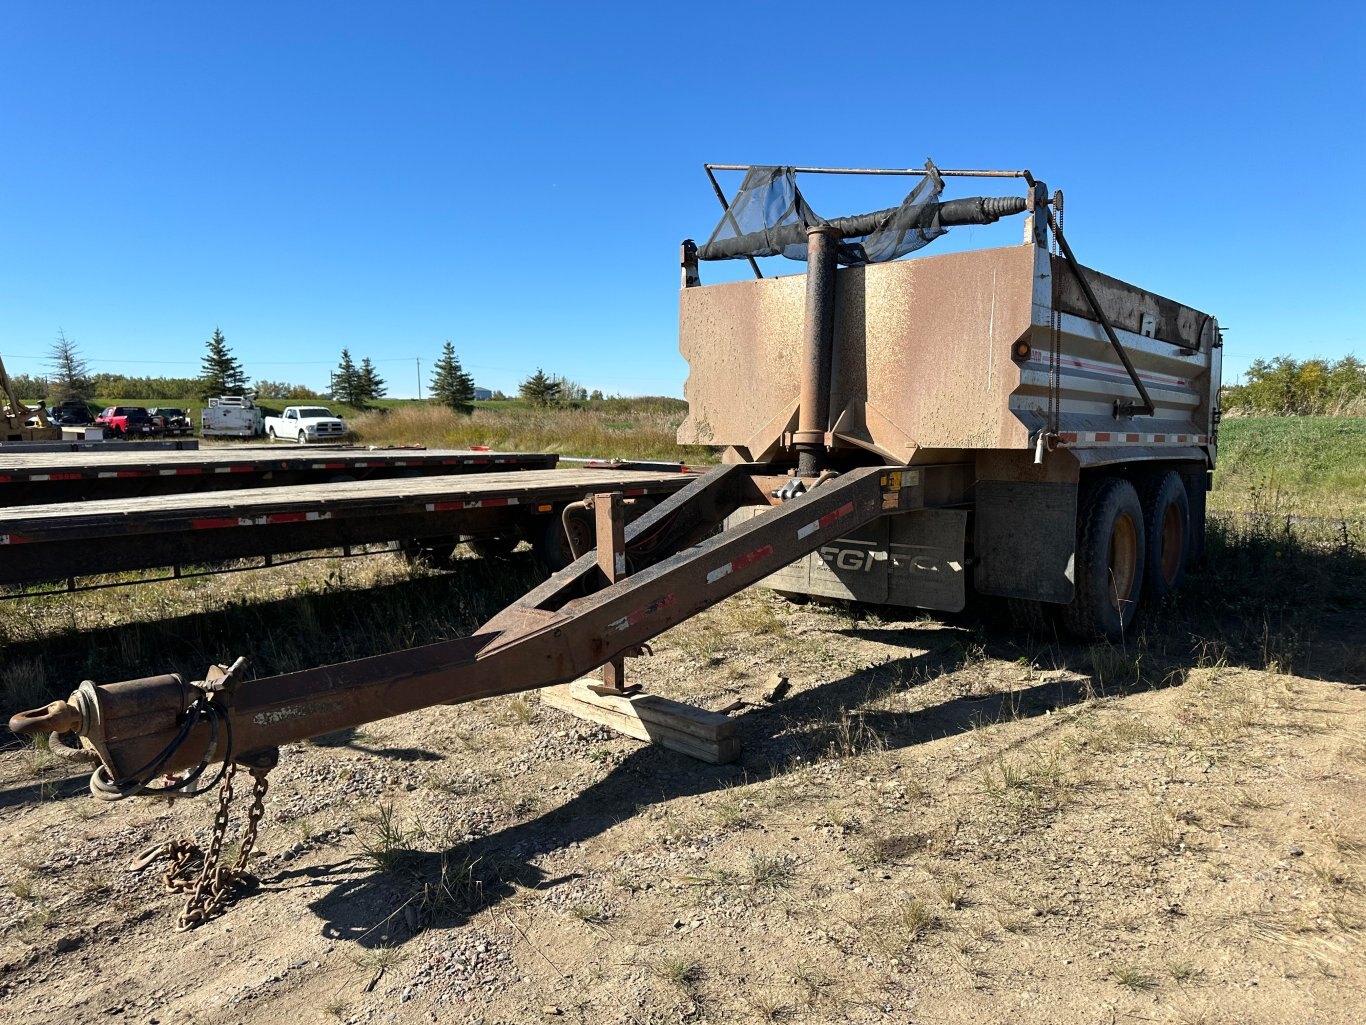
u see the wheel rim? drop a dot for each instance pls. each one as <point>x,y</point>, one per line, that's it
<point>1123,561</point>
<point>1173,543</point>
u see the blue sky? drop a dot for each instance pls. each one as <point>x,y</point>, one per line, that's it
<point>517,177</point>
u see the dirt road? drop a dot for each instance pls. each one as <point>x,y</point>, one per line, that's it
<point>935,825</point>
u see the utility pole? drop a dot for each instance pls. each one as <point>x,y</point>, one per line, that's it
<point>419,377</point>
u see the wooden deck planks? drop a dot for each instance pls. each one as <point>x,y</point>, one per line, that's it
<point>121,515</point>
<point>266,456</point>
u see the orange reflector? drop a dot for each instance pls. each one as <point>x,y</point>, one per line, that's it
<point>544,508</point>
<point>1022,350</point>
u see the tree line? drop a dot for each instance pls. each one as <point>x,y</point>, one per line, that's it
<point>1285,386</point>
<point>221,373</point>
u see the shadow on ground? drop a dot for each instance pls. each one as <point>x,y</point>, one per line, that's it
<point>371,910</point>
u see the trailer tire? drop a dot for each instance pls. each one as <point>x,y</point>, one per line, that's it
<point>553,547</point>
<point>1166,525</point>
<point>1109,562</point>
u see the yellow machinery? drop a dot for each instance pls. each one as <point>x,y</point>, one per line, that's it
<point>17,417</point>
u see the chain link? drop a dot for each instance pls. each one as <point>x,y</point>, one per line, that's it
<point>213,887</point>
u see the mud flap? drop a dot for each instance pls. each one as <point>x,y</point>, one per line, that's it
<point>1025,540</point>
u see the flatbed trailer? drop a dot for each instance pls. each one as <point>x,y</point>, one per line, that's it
<point>62,541</point>
<point>34,478</point>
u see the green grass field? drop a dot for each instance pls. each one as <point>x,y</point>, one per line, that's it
<point>1309,466</point>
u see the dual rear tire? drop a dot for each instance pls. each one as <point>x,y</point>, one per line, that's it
<point>1129,546</point>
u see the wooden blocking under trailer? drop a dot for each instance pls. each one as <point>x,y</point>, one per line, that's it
<point>693,731</point>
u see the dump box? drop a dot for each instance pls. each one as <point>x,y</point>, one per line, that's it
<point>1042,381</point>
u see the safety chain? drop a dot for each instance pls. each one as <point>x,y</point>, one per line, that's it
<point>1055,333</point>
<point>216,883</point>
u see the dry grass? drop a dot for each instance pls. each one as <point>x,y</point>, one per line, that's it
<point>637,430</point>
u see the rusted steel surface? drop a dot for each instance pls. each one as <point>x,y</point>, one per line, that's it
<point>569,626</point>
<point>922,354</point>
<point>923,360</point>
<point>818,347</point>
<point>1127,304</point>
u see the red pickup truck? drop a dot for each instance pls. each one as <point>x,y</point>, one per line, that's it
<point>123,420</point>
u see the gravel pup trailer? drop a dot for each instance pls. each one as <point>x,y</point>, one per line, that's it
<point>427,516</point>
<point>1004,413</point>
<point>33,478</point>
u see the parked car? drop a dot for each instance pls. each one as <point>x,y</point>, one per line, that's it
<point>306,423</point>
<point>121,421</point>
<point>72,413</point>
<point>171,420</point>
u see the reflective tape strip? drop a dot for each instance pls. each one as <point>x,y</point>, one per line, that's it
<point>721,572</point>
<point>635,617</point>
<point>825,520</point>
<point>474,503</point>
<point>1111,438</point>
<point>13,539</point>
<point>215,522</point>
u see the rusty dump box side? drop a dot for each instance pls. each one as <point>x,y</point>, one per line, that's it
<point>927,359</point>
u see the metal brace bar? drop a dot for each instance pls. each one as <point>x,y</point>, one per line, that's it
<point>1147,409</point>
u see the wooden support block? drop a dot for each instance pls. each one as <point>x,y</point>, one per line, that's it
<point>690,730</point>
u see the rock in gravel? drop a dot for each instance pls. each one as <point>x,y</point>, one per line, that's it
<point>775,687</point>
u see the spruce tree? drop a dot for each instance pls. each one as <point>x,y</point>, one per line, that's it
<point>221,373</point>
<point>450,384</point>
<point>346,382</point>
<point>70,371</point>
<point>372,386</point>
<point>541,389</point>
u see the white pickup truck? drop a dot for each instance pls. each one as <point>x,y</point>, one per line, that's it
<point>304,424</point>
